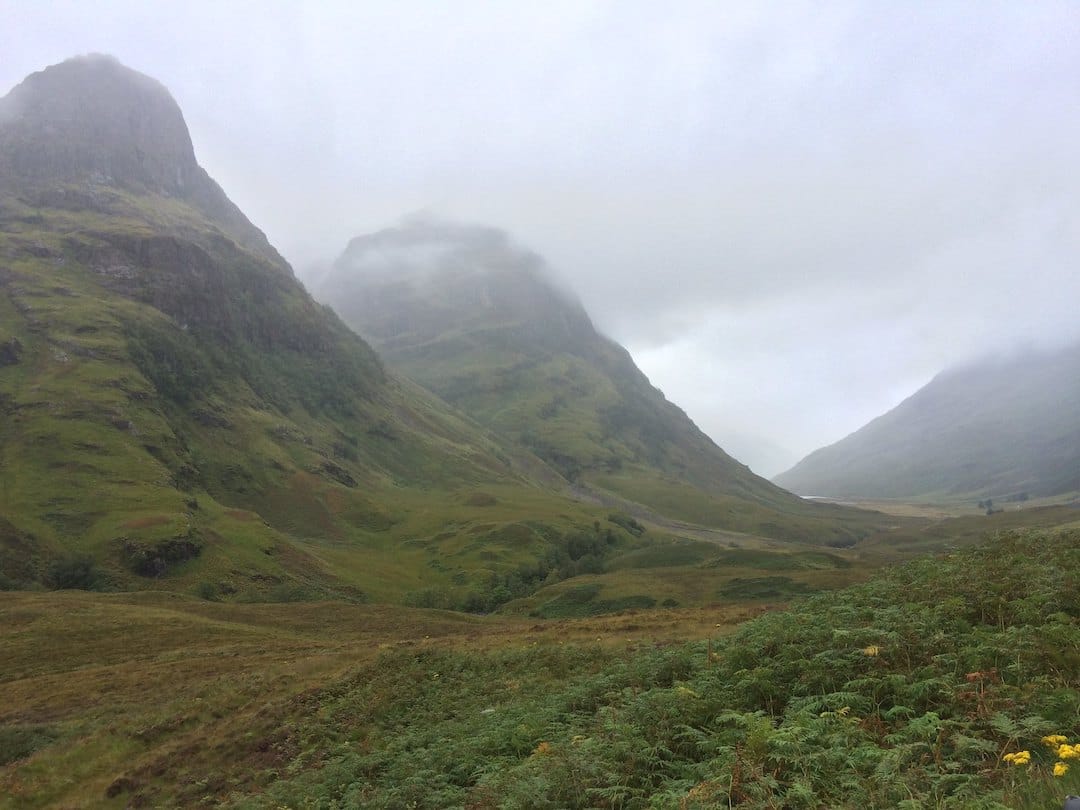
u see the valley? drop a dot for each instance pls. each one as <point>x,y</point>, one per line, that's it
<point>426,537</point>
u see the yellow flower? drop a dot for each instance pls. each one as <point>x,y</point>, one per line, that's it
<point>1054,740</point>
<point>1019,758</point>
<point>1066,751</point>
<point>871,651</point>
<point>1060,769</point>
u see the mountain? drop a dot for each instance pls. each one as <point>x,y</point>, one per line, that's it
<point>1007,427</point>
<point>89,123</point>
<point>479,321</point>
<point>178,412</point>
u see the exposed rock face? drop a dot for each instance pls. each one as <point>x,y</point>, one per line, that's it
<point>91,117</point>
<point>90,121</point>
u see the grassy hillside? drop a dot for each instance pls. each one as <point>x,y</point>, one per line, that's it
<point>223,434</point>
<point>1007,429</point>
<point>179,413</point>
<point>907,691</point>
<point>477,320</point>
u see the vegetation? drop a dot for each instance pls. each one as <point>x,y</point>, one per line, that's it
<point>232,439</point>
<point>566,555</point>
<point>178,413</point>
<point>923,687</point>
<point>187,432</point>
<point>77,571</point>
<point>506,345</point>
<point>163,700</point>
<point>910,691</point>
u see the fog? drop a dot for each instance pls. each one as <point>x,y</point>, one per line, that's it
<point>792,214</point>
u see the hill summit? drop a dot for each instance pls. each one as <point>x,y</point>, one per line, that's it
<point>91,117</point>
<point>451,277</point>
<point>90,120</point>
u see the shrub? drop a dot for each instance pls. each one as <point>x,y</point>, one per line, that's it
<point>208,591</point>
<point>906,691</point>
<point>19,742</point>
<point>155,559</point>
<point>76,572</point>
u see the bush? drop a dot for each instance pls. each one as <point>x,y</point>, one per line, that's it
<point>154,560</point>
<point>76,572</point>
<point>628,523</point>
<point>19,742</point>
<point>208,591</point>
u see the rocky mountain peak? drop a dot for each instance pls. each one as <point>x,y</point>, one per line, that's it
<point>92,118</point>
<point>90,122</point>
<point>451,274</point>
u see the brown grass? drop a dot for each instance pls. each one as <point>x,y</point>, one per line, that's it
<point>150,692</point>
<point>148,522</point>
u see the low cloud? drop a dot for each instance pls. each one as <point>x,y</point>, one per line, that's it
<point>793,214</point>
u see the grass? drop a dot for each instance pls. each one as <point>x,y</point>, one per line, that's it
<point>183,417</point>
<point>939,506</point>
<point>851,700</point>
<point>194,422</point>
<point>156,693</point>
<point>682,572</point>
<point>901,541</point>
<point>140,416</point>
<point>902,691</point>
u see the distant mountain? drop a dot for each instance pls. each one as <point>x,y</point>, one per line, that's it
<point>465,312</point>
<point>1000,428</point>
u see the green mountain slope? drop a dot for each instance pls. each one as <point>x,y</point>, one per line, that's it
<point>999,428</point>
<point>177,411</point>
<point>466,313</point>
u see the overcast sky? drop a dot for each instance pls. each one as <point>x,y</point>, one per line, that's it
<point>792,214</point>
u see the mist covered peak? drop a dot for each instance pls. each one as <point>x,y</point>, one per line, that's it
<point>1003,426</point>
<point>90,123</point>
<point>424,274</point>
<point>422,247</point>
<point>92,118</point>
